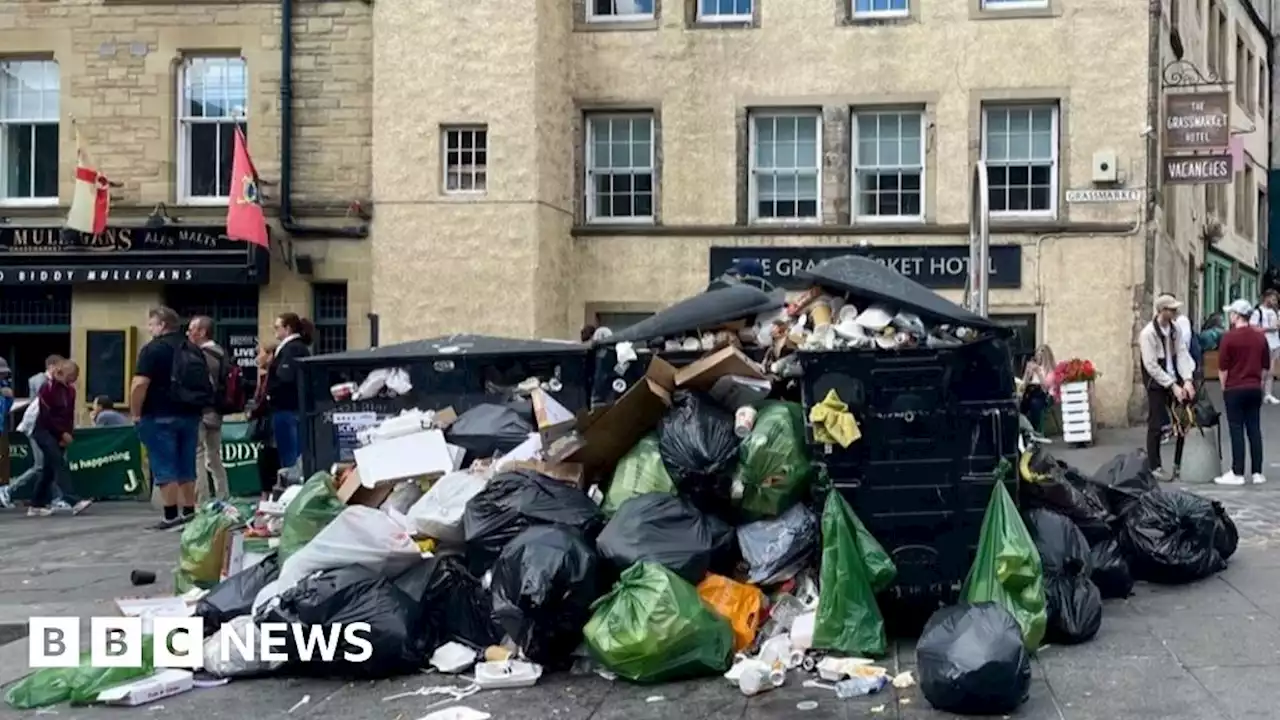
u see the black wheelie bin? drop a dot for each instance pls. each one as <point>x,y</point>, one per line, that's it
<point>935,422</point>
<point>458,371</point>
<point>724,302</point>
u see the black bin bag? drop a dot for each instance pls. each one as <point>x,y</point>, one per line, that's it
<point>1073,602</point>
<point>700,450</point>
<point>489,429</point>
<point>453,605</point>
<point>234,596</point>
<point>1228,537</point>
<point>1053,485</point>
<point>1171,538</point>
<point>1124,479</point>
<point>514,501</point>
<point>1111,570</point>
<point>333,600</point>
<point>669,531</point>
<point>971,660</point>
<point>778,548</point>
<point>544,583</point>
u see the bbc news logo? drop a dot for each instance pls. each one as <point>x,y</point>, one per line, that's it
<point>179,642</point>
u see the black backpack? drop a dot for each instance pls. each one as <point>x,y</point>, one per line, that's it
<point>189,382</point>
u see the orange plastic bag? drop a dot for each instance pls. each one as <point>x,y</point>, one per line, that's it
<point>742,605</point>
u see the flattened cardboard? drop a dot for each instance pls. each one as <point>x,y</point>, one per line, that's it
<point>554,420</point>
<point>571,473</point>
<point>353,491</point>
<point>445,418</point>
<point>609,433</point>
<point>703,374</point>
<point>420,455</point>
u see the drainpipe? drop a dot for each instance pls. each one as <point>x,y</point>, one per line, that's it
<point>287,221</point>
<point>1146,297</point>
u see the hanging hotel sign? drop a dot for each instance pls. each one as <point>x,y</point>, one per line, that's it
<point>1197,121</point>
<point>167,254</point>
<point>1198,169</point>
<point>939,267</point>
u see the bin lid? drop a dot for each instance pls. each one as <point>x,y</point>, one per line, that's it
<point>875,281</point>
<point>454,345</point>
<point>704,310</point>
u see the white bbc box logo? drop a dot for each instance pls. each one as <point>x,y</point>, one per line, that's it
<point>178,642</point>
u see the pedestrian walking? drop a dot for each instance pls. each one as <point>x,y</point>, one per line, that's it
<point>1265,316</point>
<point>22,487</point>
<point>54,426</point>
<point>104,413</point>
<point>1244,357</point>
<point>260,415</point>
<point>1167,371</point>
<point>209,447</point>
<point>170,390</point>
<point>294,335</point>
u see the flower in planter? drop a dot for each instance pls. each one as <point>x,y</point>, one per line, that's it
<point>1076,370</point>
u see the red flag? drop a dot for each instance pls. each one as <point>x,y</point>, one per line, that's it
<point>245,220</point>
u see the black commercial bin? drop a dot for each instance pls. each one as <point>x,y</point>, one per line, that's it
<point>935,424</point>
<point>458,371</point>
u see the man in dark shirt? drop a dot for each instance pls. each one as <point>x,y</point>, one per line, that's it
<point>168,430</point>
<point>54,425</point>
<point>1243,359</point>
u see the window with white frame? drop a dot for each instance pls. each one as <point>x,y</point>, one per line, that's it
<point>880,8</point>
<point>1020,147</point>
<point>786,167</point>
<point>1014,4</point>
<point>722,10</point>
<point>620,168</point>
<point>213,98</point>
<point>619,10</point>
<point>466,159</point>
<point>888,164</point>
<point>29,94</point>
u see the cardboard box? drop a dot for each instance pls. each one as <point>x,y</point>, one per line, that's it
<point>572,473</point>
<point>419,455</point>
<point>162,684</point>
<point>703,374</point>
<point>445,418</point>
<point>554,420</point>
<point>353,491</point>
<point>609,433</point>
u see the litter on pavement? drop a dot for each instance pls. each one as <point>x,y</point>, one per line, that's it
<point>713,494</point>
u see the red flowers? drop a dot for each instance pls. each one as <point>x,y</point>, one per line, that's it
<point>1076,370</point>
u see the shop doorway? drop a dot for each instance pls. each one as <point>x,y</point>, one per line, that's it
<point>35,322</point>
<point>234,309</point>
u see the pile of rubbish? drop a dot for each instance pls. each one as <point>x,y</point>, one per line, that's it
<point>684,530</point>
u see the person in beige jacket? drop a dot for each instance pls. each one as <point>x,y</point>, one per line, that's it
<point>209,446</point>
<point>1167,370</point>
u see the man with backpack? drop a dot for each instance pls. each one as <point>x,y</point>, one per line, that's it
<point>1267,320</point>
<point>170,391</point>
<point>225,377</point>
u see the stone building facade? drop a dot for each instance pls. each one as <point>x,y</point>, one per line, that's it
<point>153,90</point>
<point>631,148</point>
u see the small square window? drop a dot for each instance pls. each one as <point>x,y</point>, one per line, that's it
<point>466,160</point>
<point>724,10</point>
<point>619,10</point>
<point>881,8</point>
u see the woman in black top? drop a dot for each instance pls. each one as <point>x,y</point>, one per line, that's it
<point>294,334</point>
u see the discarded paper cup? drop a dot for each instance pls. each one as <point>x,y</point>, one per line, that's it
<point>744,420</point>
<point>142,577</point>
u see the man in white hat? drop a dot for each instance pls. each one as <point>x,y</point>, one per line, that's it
<point>1167,371</point>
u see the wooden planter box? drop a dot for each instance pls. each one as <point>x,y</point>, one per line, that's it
<point>1077,414</point>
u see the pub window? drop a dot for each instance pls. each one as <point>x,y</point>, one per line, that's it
<point>329,310</point>
<point>234,309</point>
<point>1022,346</point>
<point>29,97</point>
<point>213,97</point>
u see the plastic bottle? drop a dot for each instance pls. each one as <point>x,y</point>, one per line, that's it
<point>860,685</point>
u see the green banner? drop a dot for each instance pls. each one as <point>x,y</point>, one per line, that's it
<point>105,462</point>
<point>108,462</point>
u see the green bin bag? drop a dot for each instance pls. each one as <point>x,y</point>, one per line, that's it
<point>1007,569</point>
<point>774,470</point>
<point>315,506</point>
<point>80,685</point>
<point>203,546</point>
<point>640,471</point>
<point>652,627</point>
<point>854,568</point>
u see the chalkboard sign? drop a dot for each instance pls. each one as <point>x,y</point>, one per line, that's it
<point>106,365</point>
